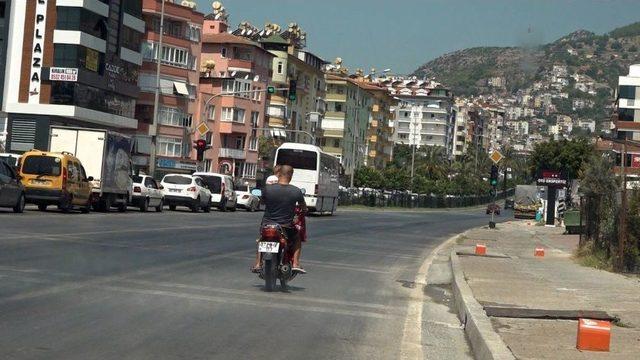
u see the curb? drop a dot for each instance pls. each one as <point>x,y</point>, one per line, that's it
<point>486,344</point>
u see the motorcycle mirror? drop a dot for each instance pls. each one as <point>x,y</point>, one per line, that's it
<point>303,190</point>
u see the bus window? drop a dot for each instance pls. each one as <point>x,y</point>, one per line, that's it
<point>298,159</point>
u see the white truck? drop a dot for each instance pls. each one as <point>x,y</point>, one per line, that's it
<point>105,155</point>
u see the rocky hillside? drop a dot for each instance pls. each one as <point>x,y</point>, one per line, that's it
<point>601,57</point>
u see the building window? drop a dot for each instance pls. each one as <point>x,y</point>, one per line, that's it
<point>193,33</point>
<point>627,92</point>
<point>173,117</point>
<point>240,142</point>
<point>336,143</point>
<point>76,56</point>
<point>250,171</point>
<point>211,112</point>
<point>169,146</point>
<point>233,115</point>
<point>626,114</point>
<point>131,39</point>
<point>338,107</point>
<point>280,67</point>
<point>223,52</point>
<point>253,143</point>
<point>173,56</point>
<point>79,19</point>
<point>132,7</point>
<point>255,117</point>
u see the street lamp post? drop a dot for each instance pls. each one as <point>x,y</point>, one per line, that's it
<point>154,127</point>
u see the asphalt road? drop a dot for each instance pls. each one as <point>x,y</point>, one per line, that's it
<point>177,285</point>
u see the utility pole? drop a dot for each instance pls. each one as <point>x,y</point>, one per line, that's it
<point>622,227</point>
<point>154,127</point>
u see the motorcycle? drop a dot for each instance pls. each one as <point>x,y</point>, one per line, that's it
<point>276,251</point>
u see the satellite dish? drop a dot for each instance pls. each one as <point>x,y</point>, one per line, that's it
<point>233,73</point>
<point>256,78</point>
<point>216,5</point>
<point>246,77</point>
<point>386,70</point>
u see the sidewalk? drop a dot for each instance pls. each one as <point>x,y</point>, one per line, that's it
<point>554,282</point>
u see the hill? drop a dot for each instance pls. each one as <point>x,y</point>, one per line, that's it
<point>602,57</point>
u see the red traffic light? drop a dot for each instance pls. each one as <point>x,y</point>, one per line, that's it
<point>201,144</point>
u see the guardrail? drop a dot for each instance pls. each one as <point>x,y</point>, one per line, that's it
<point>377,198</point>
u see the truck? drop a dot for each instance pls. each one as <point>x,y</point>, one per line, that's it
<point>526,202</point>
<point>106,156</point>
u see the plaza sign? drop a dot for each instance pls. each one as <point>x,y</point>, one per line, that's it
<point>39,29</point>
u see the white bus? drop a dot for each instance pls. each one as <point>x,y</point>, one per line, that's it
<point>314,171</point>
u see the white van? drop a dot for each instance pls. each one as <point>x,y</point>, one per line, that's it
<point>223,195</point>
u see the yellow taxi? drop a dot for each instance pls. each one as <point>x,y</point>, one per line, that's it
<point>55,179</point>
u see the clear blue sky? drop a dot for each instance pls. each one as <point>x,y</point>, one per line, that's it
<point>403,34</point>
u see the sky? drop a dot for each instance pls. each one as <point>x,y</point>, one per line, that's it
<point>403,34</point>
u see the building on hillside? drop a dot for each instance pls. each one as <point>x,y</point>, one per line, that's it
<point>424,115</point>
<point>379,143</point>
<point>344,128</point>
<point>239,67</point>
<point>475,129</point>
<point>627,124</point>
<point>71,63</point>
<point>460,131</point>
<point>291,62</point>
<point>179,79</point>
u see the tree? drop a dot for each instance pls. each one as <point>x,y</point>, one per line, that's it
<point>567,156</point>
<point>369,177</point>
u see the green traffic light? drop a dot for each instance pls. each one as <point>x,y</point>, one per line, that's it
<point>271,89</point>
<point>292,97</point>
<point>494,182</point>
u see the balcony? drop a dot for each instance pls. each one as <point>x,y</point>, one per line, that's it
<point>230,153</point>
<point>334,115</point>
<point>336,97</point>
<point>240,64</point>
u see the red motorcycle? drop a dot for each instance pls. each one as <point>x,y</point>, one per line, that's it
<point>276,251</point>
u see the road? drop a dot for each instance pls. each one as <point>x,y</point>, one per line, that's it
<point>177,285</point>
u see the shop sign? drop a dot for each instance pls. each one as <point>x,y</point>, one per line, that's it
<point>63,74</point>
<point>551,178</point>
<point>175,164</point>
<point>39,29</point>
<point>92,60</point>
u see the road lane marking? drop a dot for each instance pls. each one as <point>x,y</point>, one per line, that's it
<point>331,265</point>
<point>411,346</point>
<point>260,294</point>
<point>266,303</point>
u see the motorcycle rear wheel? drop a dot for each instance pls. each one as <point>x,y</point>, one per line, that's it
<point>269,269</point>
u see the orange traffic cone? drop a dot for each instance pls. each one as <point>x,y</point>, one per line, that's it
<point>481,249</point>
<point>593,335</point>
<point>539,252</point>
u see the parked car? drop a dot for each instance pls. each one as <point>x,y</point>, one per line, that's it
<point>11,190</point>
<point>186,190</point>
<point>495,208</point>
<point>246,199</point>
<point>11,159</point>
<point>55,179</point>
<point>223,195</point>
<point>146,193</point>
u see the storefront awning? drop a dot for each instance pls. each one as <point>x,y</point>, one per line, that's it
<point>181,88</point>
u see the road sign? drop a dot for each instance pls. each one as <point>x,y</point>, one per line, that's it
<point>496,156</point>
<point>203,129</point>
<point>552,179</point>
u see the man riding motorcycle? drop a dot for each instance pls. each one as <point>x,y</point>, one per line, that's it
<point>281,200</point>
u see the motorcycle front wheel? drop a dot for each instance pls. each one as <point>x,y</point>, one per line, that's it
<point>269,268</point>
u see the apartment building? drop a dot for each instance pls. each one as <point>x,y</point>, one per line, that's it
<point>627,124</point>
<point>291,62</point>
<point>461,116</point>
<point>5,12</point>
<point>234,78</point>
<point>424,114</point>
<point>346,121</point>
<point>70,63</point>
<point>179,80</point>
<point>379,141</point>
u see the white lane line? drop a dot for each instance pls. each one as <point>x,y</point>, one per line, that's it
<point>332,265</point>
<point>270,296</point>
<point>411,346</point>
<point>269,304</point>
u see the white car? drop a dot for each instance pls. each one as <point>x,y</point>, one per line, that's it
<point>246,200</point>
<point>146,193</point>
<point>186,190</point>
<point>223,195</point>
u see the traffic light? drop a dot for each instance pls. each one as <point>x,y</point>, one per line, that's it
<point>494,175</point>
<point>271,89</point>
<point>293,90</point>
<point>201,146</point>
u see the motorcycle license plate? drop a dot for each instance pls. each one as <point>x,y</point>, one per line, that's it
<point>268,247</point>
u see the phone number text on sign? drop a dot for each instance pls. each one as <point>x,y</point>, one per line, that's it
<point>63,74</point>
